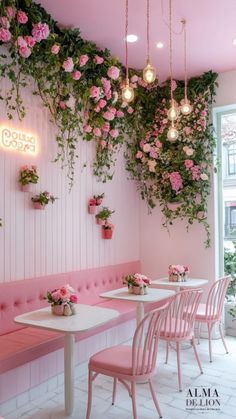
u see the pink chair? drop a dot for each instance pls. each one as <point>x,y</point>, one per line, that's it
<point>130,364</point>
<point>211,312</point>
<point>178,325</point>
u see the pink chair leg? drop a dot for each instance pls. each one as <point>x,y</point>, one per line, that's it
<point>179,365</point>
<point>222,337</point>
<point>167,351</point>
<point>90,384</point>
<point>114,390</point>
<point>133,395</point>
<point>209,326</point>
<point>154,398</point>
<point>196,355</point>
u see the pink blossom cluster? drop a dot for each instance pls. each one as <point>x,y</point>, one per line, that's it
<point>25,44</point>
<point>137,280</point>
<point>195,170</point>
<point>63,295</point>
<point>176,181</point>
<point>178,270</point>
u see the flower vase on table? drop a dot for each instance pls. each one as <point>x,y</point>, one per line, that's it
<point>62,301</point>
<point>137,283</point>
<point>178,273</point>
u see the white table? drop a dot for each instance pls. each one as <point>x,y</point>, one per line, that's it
<point>153,296</point>
<point>189,283</point>
<point>86,317</point>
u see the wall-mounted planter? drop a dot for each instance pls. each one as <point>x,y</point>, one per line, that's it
<point>26,188</point>
<point>92,209</point>
<point>107,233</point>
<point>38,205</point>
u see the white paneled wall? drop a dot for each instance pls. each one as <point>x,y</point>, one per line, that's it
<point>63,237</point>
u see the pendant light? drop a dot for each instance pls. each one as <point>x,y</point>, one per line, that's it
<point>173,112</point>
<point>149,72</point>
<point>127,92</point>
<point>186,107</point>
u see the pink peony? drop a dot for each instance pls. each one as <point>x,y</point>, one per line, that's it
<point>109,116</point>
<point>73,298</point>
<point>22,17</point>
<point>68,65</point>
<point>114,133</point>
<point>188,164</point>
<point>120,114</point>
<point>94,92</point>
<point>21,42</point>
<point>113,72</point>
<point>106,127</point>
<point>55,49</point>
<point>5,35</point>
<point>87,128</point>
<point>76,75</point>
<point>25,52</point>
<point>30,41</point>
<point>176,181</point>
<point>102,103</point>
<point>4,22</point>
<point>97,132</point>
<point>11,12</point>
<point>130,110</point>
<point>98,60</point>
<point>83,60</point>
<point>40,31</point>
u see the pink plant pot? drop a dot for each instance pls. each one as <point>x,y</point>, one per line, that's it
<point>26,188</point>
<point>99,221</point>
<point>57,310</point>
<point>38,206</point>
<point>91,209</point>
<point>107,233</point>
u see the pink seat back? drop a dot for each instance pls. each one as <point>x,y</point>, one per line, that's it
<point>216,297</point>
<point>181,314</point>
<point>145,341</point>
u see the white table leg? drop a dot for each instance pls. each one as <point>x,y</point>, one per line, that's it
<point>139,312</point>
<point>69,373</point>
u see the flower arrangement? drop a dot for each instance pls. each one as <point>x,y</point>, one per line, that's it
<point>28,174</point>
<point>92,203</point>
<point>107,230</point>
<point>43,199</point>
<point>104,214</point>
<point>178,273</point>
<point>99,198</point>
<point>62,300</point>
<point>137,283</point>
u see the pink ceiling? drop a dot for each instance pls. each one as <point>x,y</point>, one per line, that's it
<point>211,26</point>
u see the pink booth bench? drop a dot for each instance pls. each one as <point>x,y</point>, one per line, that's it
<point>20,346</point>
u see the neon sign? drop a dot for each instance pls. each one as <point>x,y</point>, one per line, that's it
<point>12,139</point>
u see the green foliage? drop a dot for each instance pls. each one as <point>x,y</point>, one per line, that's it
<point>104,214</point>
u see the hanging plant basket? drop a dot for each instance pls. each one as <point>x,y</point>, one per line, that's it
<point>107,233</point>
<point>38,206</point>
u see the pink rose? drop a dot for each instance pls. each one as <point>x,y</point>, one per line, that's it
<point>98,60</point>
<point>130,110</point>
<point>62,104</point>
<point>176,181</point>
<point>73,298</point>
<point>187,130</point>
<point>120,114</point>
<point>158,144</point>
<point>68,65</point>
<point>110,147</point>
<point>109,116</point>
<point>103,144</point>
<point>188,164</point>
<point>55,49</point>
<point>139,155</point>
<point>40,31</point>
<point>5,35</point>
<point>102,103</point>
<point>4,22</point>
<point>153,154</point>
<point>55,295</point>
<point>21,42</point>
<point>151,165</point>
<point>114,133</point>
<point>76,75</point>
<point>94,92</point>
<point>106,127</point>
<point>113,72</point>
<point>112,110</point>
<point>10,11</point>
<point>30,41</point>
<point>87,128</point>
<point>146,148</point>
<point>24,52</point>
<point>83,60</point>
<point>97,132</point>
<point>134,79</point>
<point>22,17</point>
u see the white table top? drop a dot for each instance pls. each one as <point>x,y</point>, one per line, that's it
<point>86,317</point>
<point>189,283</point>
<point>153,295</point>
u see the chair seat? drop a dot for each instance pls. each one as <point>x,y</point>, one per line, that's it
<point>175,329</point>
<point>201,313</point>
<point>117,359</point>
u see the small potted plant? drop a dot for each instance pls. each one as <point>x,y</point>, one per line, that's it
<point>92,206</point>
<point>62,300</point>
<point>103,215</point>
<point>107,230</point>
<point>178,273</point>
<point>28,175</point>
<point>39,201</point>
<point>137,283</point>
<point>99,198</point>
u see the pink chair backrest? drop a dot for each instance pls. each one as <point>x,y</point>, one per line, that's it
<point>181,314</point>
<point>145,341</point>
<point>215,299</point>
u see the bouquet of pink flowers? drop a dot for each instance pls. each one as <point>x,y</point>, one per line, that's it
<point>136,280</point>
<point>62,296</point>
<point>28,174</point>
<point>178,272</point>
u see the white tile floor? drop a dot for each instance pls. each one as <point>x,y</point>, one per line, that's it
<point>221,374</point>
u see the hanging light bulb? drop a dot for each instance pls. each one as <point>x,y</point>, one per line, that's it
<point>149,72</point>
<point>127,93</point>
<point>173,112</point>
<point>186,107</point>
<point>172,134</point>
